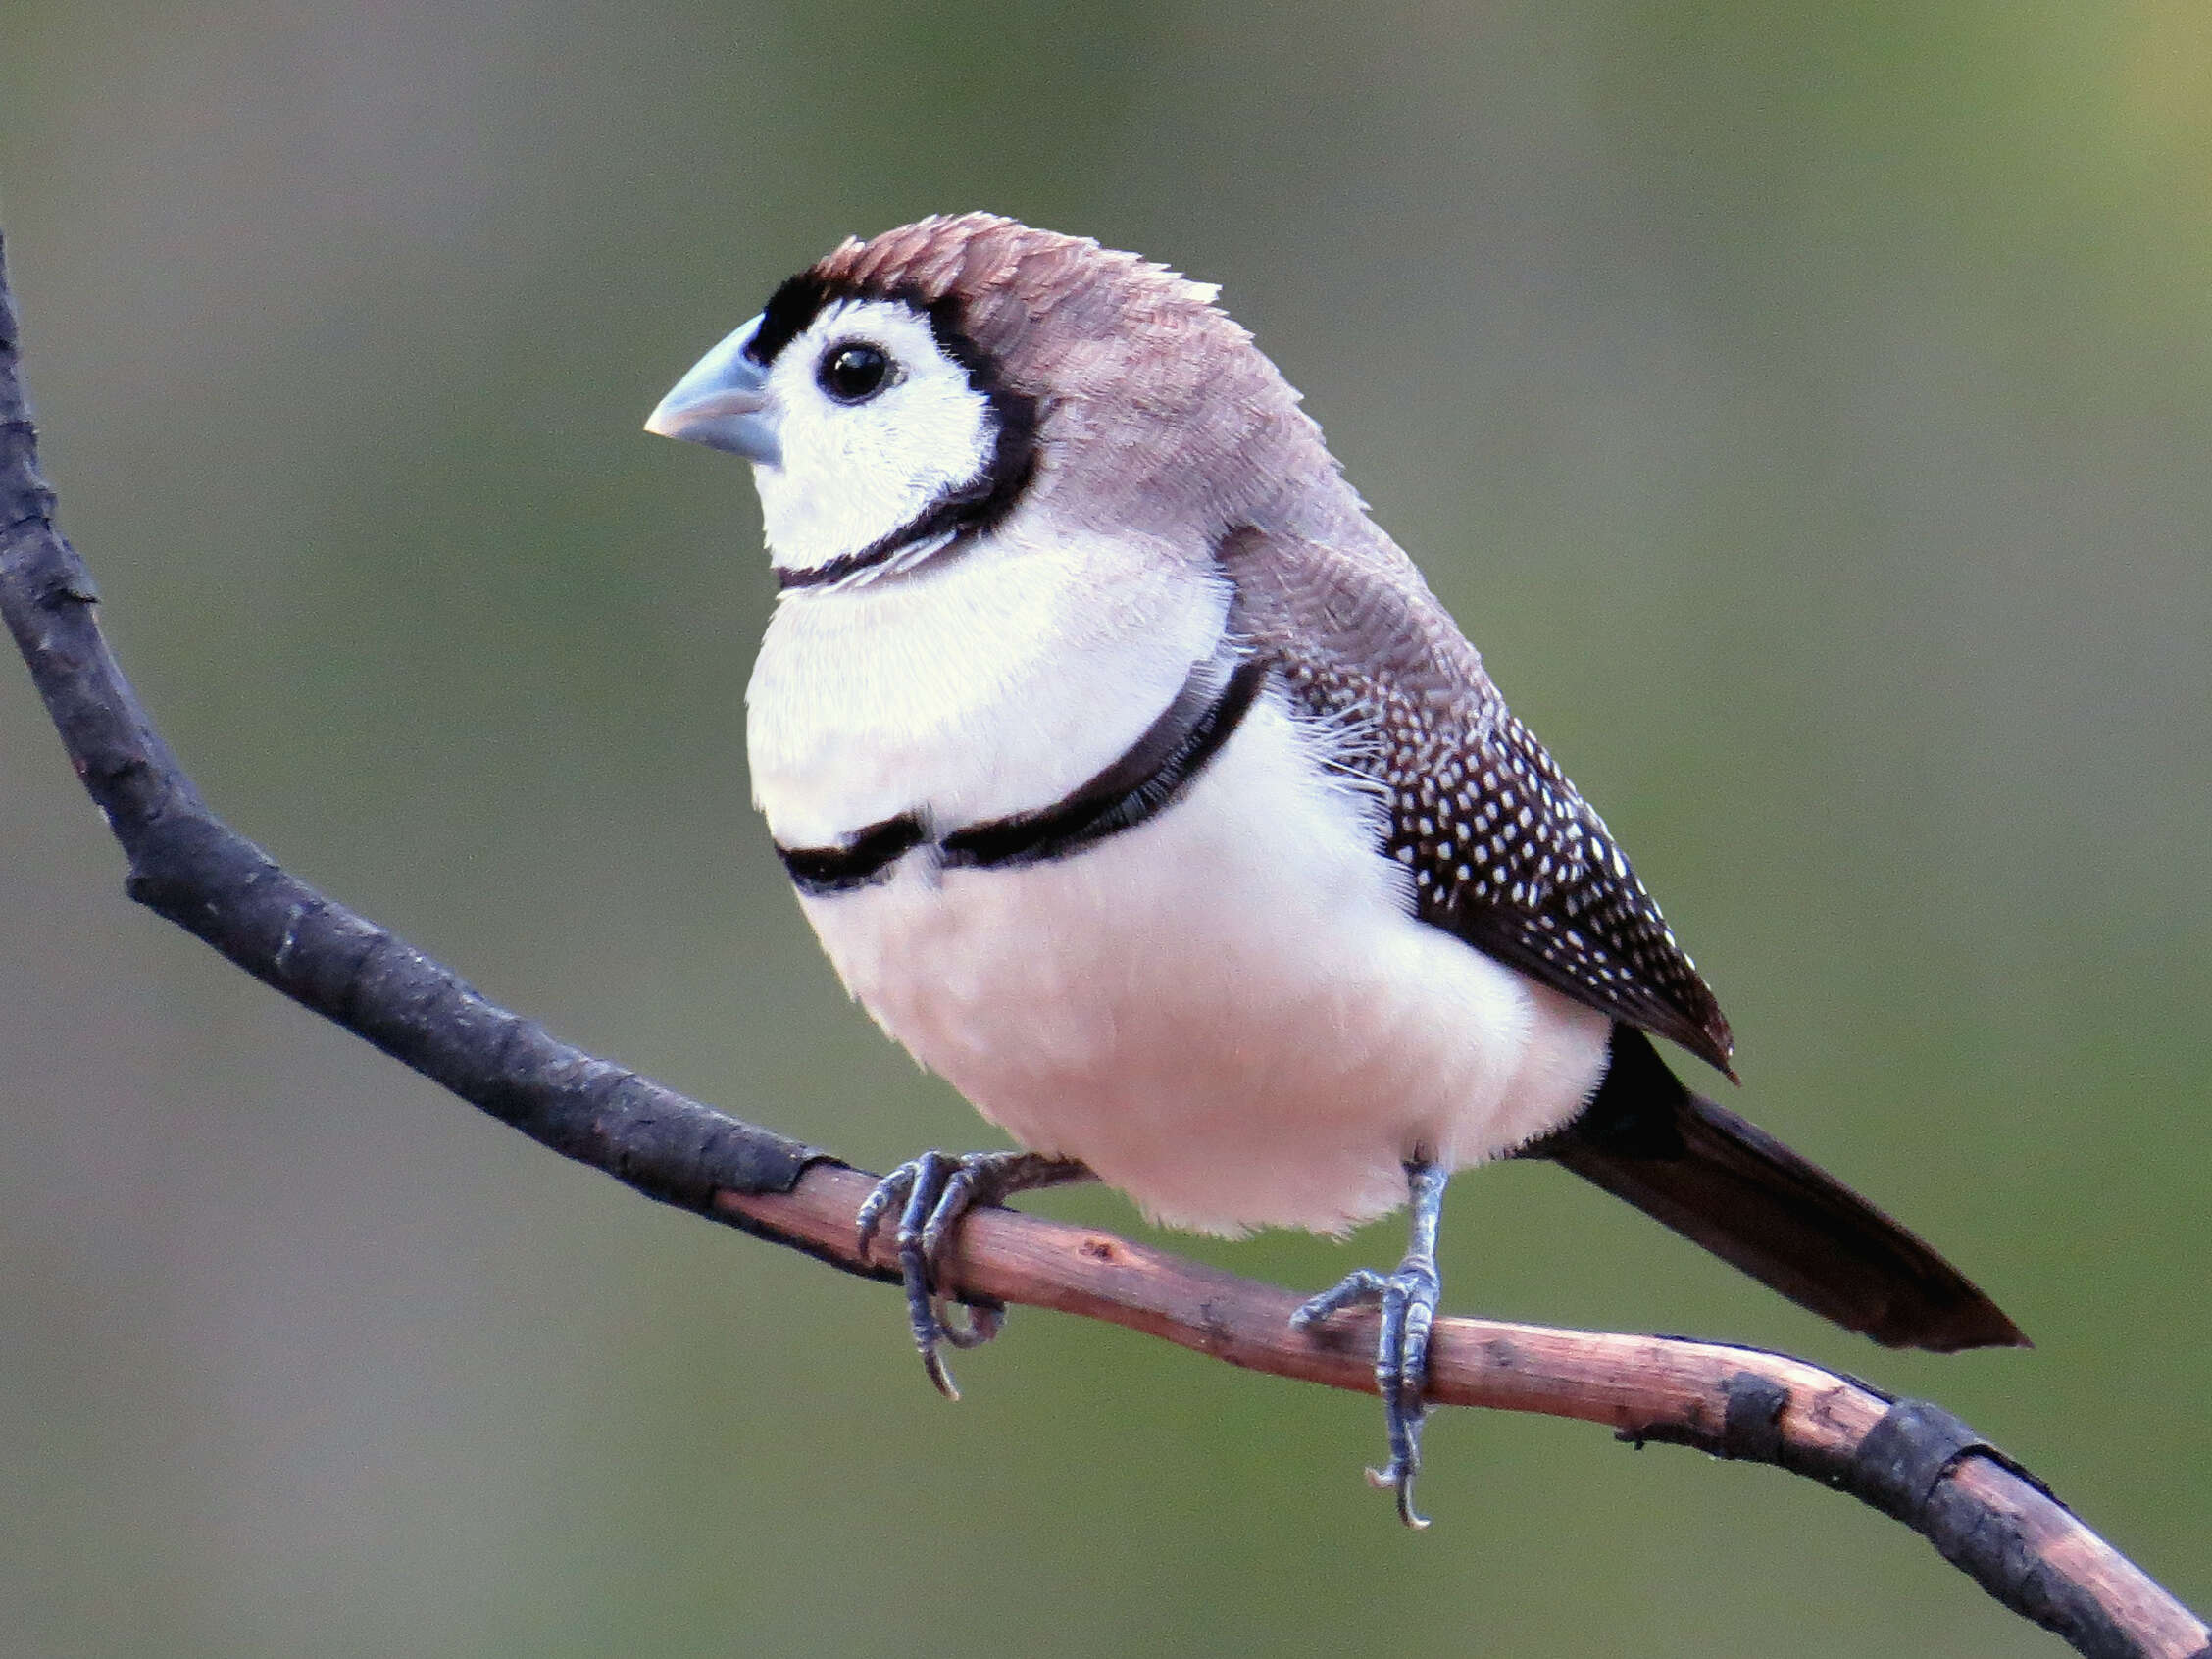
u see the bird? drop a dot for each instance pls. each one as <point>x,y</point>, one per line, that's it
<point>1134,780</point>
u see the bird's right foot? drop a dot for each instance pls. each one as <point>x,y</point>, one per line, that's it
<point>933,1192</point>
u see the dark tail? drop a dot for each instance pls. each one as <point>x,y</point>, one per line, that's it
<point>1732,1187</point>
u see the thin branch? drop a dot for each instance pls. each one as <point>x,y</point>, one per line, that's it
<point>1909,1459</point>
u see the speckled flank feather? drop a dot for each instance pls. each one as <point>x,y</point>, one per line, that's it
<point>1504,852</point>
<point>1510,857</point>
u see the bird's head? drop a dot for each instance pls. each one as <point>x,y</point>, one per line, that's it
<point>909,392</point>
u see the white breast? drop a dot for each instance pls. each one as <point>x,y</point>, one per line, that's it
<point>997,679</point>
<point>1228,1012</point>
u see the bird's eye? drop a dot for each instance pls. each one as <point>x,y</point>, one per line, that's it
<point>853,372</point>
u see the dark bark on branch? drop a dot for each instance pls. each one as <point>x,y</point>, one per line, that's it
<point>1909,1459</point>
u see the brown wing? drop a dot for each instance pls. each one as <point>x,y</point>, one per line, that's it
<point>1504,851</point>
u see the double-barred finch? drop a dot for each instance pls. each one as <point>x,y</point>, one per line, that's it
<point>1135,781</point>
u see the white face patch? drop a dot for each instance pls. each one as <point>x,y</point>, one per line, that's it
<point>854,472</point>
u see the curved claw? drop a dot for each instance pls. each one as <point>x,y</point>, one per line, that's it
<point>985,1321</point>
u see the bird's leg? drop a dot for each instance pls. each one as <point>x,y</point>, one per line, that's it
<point>1408,1299</point>
<point>933,1192</point>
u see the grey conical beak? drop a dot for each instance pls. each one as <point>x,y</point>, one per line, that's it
<point>721,403</point>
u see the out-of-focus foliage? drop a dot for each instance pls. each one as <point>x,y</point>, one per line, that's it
<point>1806,407</point>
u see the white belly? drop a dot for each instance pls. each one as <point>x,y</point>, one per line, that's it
<point>1226,1012</point>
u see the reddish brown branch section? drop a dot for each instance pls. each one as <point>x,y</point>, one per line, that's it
<point>1909,1459</point>
<point>1642,1386</point>
<point>1986,1515</point>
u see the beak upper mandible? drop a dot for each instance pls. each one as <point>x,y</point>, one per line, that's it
<point>720,403</point>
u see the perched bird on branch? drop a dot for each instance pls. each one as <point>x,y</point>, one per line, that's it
<point>1135,781</point>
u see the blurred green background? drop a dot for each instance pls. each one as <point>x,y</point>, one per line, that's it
<point>1806,407</point>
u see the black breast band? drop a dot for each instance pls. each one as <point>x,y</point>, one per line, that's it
<point>858,862</point>
<point>1143,782</point>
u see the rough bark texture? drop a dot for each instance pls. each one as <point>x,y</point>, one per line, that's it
<point>1909,1459</point>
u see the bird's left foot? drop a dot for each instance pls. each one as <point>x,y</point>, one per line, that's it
<point>1408,1299</point>
<point>933,1192</point>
